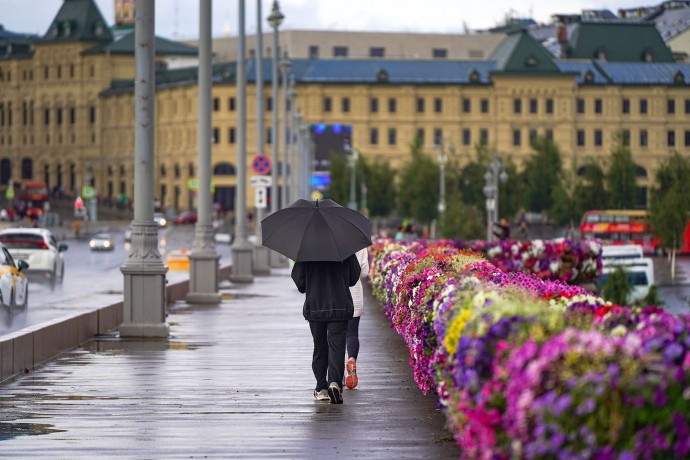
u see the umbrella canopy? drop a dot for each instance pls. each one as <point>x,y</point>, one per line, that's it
<point>311,231</point>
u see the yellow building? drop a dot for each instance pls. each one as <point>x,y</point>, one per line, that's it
<point>79,97</point>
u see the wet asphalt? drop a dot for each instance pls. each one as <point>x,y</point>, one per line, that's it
<point>232,381</point>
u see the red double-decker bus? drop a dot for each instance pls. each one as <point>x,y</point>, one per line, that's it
<point>32,196</point>
<point>621,226</point>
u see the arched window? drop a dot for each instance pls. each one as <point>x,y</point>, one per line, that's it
<point>5,171</point>
<point>224,169</point>
<point>640,171</point>
<point>191,169</point>
<point>177,171</point>
<point>164,171</point>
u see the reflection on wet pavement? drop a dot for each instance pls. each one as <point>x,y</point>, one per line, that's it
<point>12,430</point>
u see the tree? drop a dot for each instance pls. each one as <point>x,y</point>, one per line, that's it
<point>418,186</point>
<point>541,174</point>
<point>563,195</point>
<point>380,184</point>
<point>590,191</point>
<point>670,203</point>
<point>620,177</point>
<point>460,220</point>
<point>339,169</point>
<point>617,287</point>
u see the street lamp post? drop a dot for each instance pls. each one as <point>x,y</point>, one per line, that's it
<point>353,177</point>
<point>284,70</point>
<point>292,96</point>
<point>494,173</point>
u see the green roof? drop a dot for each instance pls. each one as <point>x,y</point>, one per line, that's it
<point>519,52</point>
<point>78,20</point>
<point>125,45</point>
<point>619,42</point>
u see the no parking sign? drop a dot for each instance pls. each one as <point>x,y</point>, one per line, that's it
<point>261,164</point>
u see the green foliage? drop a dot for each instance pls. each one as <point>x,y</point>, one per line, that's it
<point>380,183</point>
<point>620,177</point>
<point>590,191</point>
<point>461,220</point>
<point>541,174</point>
<point>652,298</point>
<point>617,287</point>
<point>670,200</point>
<point>418,186</point>
<point>563,197</point>
<point>339,169</point>
<point>472,178</point>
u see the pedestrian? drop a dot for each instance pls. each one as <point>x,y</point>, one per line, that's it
<point>399,235</point>
<point>352,336</point>
<point>328,307</point>
<point>502,229</point>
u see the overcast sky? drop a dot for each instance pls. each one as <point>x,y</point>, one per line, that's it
<point>179,18</point>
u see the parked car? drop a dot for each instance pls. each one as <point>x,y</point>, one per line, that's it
<point>160,219</point>
<point>14,285</point>
<point>185,217</point>
<point>102,242</point>
<point>39,248</point>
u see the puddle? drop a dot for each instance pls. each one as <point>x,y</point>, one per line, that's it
<point>13,430</point>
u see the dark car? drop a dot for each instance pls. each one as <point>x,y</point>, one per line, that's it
<point>185,217</point>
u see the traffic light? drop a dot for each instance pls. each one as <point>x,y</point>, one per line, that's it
<point>79,208</point>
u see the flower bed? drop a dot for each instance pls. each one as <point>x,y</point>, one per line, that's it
<point>560,259</point>
<point>531,368</point>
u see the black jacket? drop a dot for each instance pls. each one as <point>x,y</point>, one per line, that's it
<point>327,285</point>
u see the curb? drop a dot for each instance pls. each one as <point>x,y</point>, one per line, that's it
<point>23,351</point>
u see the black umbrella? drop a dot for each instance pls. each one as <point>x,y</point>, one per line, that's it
<point>310,231</point>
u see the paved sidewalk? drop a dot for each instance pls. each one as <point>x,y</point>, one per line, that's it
<point>233,381</point>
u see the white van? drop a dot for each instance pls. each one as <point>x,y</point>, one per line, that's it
<point>640,272</point>
<point>612,253</point>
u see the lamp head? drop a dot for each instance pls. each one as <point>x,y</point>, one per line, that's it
<point>275,19</point>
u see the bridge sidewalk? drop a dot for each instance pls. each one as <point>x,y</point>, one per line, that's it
<point>232,381</point>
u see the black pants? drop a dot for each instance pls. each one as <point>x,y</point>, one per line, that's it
<point>329,352</point>
<point>353,337</point>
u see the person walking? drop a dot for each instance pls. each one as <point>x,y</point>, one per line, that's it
<point>328,307</point>
<point>352,336</point>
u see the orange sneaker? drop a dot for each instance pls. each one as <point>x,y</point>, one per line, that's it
<point>351,370</point>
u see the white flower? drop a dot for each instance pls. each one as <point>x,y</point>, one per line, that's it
<point>619,330</point>
<point>554,266</point>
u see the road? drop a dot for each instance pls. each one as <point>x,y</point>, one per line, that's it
<point>94,278</point>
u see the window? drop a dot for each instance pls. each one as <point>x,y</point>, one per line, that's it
<point>671,106</point>
<point>46,117</point>
<point>598,106</point>
<point>643,106</point>
<point>420,135</point>
<point>392,105</point>
<point>516,137</point>
<point>598,137</point>
<point>58,116</point>
<point>345,105</point>
<point>580,137</point>
<point>313,52</point>
<point>532,136</point>
<point>216,104</point>
<point>466,137</point>
<point>484,136</point>
<point>549,134</point>
<point>374,136</point>
<point>467,105</point>
<point>340,51</point>
<point>392,136</point>
<point>549,106</point>
<point>532,106</point>
<point>420,105</point>
<point>231,136</point>
<point>643,138</point>
<point>374,105</point>
<point>625,137</point>
<point>231,104</point>
<point>92,114</point>
<point>269,135</point>
<point>687,106</point>
<point>438,105</point>
<point>687,138</point>
<point>439,53</point>
<point>377,51</point>
<point>484,105</point>
<point>580,105</point>
<point>517,106</point>
<point>438,136</point>
<point>327,104</point>
<point>671,138</point>
<point>269,104</point>
<point>216,135</point>
<point>72,115</point>
<point>625,107</point>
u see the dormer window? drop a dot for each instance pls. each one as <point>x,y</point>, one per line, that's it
<point>54,30</point>
<point>382,76</point>
<point>648,55</point>
<point>588,77</point>
<point>679,78</point>
<point>601,53</point>
<point>473,76</point>
<point>99,29</point>
<point>66,29</point>
<point>531,61</point>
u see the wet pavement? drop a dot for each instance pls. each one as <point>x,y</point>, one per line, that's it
<point>232,381</point>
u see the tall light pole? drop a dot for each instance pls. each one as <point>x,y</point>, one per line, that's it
<point>275,20</point>
<point>203,260</point>
<point>262,255</point>
<point>352,204</point>
<point>284,70</point>
<point>442,159</point>
<point>494,173</point>
<point>241,247</point>
<point>144,272</point>
<point>292,96</point>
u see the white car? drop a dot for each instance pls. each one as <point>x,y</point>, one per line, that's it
<point>102,242</point>
<point>160,219</point>
<point>39,248</point>
<point>14,286</point>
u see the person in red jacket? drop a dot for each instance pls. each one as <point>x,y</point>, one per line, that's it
<point>328,307</point>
